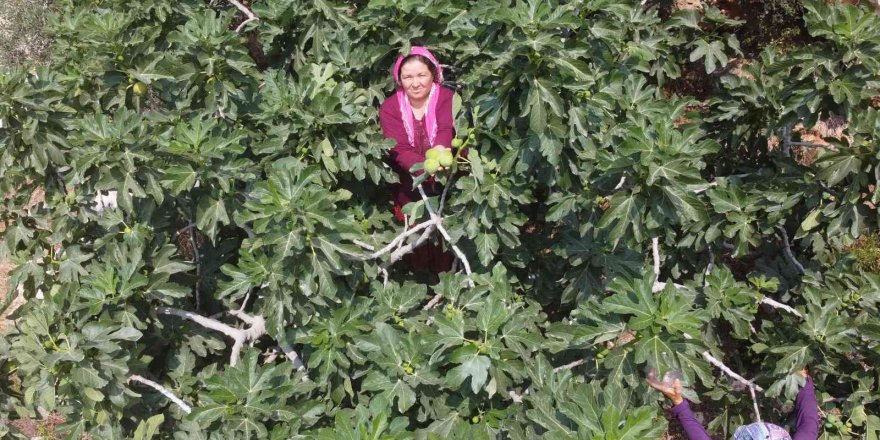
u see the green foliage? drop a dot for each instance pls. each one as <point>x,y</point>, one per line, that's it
<point>251,165</point>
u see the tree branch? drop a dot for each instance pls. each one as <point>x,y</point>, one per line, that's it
<point>655,247</point>
<point>724,368</point>
<point>197,256</point>
<point>439,224</point>
<point>256,329</point>
<point>165,391</point>
<point>570,365</point>
<point>398,241</point>
<point>433,302</point>
<point>755,403</point>
<point>250,15</point>
<point>292,355</point>
<point>778,305</point>
<point>400,252</point>
<point>659,285</point>
<point>443,196</point>
<point>788,253</point>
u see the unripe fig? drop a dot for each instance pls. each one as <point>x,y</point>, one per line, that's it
<point>431,166</point>
<point>140,88</point>
<point>433,153</point>
<point>446,158</point>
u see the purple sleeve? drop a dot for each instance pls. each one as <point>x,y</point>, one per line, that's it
<point>445,125</point>
<point>806,413</point>
<point>691,426</point>
<point>403,155</point>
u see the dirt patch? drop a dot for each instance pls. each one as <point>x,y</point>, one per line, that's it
<point>22,40</point>
<point>688,5</point>
<point>832,127</point>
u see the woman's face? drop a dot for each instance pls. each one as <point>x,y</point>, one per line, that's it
<point>416,80</point>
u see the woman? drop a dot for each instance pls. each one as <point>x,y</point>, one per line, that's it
<point>806,415</point>
<point>418,116</point>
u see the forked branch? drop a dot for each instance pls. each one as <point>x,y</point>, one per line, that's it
<point>247,12</point>
<point>439,225</point>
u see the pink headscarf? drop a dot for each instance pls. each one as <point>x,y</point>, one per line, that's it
<point>433,97</point>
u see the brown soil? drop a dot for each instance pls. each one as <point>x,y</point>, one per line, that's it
<point>688,5</point>
<point>832,127</point>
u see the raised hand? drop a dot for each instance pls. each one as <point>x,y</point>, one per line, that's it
<point>672,392</point>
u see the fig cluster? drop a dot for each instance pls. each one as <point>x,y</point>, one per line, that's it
<point>438,156</point>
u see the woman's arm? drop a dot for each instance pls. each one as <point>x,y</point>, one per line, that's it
<point>403,155</point>
<point>806,413</point>
<point>691,426</point>
<point>681,408</point>
<point>445,123</point>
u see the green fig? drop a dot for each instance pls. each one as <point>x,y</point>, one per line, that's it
<point>433,153</point>
<point>446,158</point>
<point>140,88</point>
<point>431,166</point>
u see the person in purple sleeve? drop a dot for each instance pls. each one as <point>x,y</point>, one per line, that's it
<point>417,116</point>
<point>806,415</point>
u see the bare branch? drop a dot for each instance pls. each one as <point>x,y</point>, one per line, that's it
<point>778,305</point>
<point>247,297</point>
<point>655,246</point>
<point>208,323</point>
<point>400,252</point>
<point>788,253</point>
<point>183,229</point>
<point>515,397</point>
<point>724,368</point>
<point>433,302</point>
<point>659,285</point>
<point>811,145</point>
<point>439,224</point>
<point>165,391</point>
<point>710,185</point>
<point>570,365</point>
<point>443,196</point>
<point>384,273</point>
<point>239,28</point>
<point>292,355</point>
<point>256,329</point>
<point>405,228</point>
<point>250,15</point>
<point>366,246</point>
<point>197,257</point>
<point>398,241</point>
<point>755,402</point>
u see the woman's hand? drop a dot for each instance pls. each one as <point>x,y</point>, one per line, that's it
<point>672,393</point>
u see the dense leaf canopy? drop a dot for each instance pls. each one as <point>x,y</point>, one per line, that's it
<point>247,176</point>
